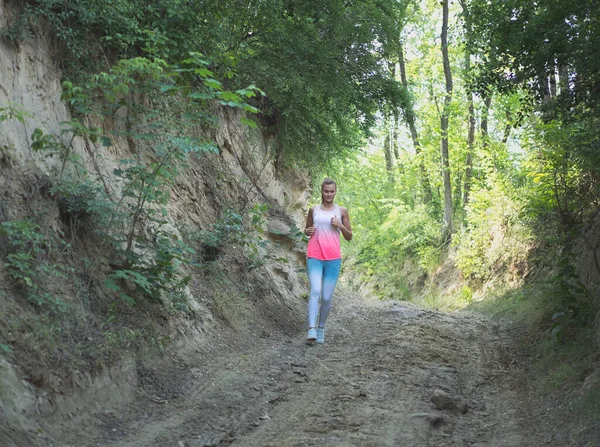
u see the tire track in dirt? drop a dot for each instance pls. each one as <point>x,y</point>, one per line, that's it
<point>369,385</point>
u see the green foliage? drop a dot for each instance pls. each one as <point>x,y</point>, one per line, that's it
<point>150,262</point>
<point>244,231</point>
<point>84,204</point>
<point>562,169</point>
<point>510,33</point>
<point>561,79</point>
<point>496,237</point>
<point>155,271</point>
<point>466,295</point>
<point>404,246</point>
<point>396,240</point>
<point>85,29</point>
<point>52,145</point>
<point>322,70</point>
<point>46,142</point>
<point>320,65</point>
<point>27,242</point>
<point>14,111</point>
<point>590,404</point>
<point>228,230</point>
<point>28,263</point>
<point>186,90</point>
<point>574,306</point>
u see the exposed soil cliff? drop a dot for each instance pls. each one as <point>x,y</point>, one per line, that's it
<point>76,346</point>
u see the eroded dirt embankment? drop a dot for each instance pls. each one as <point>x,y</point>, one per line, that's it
<point>369,385</point>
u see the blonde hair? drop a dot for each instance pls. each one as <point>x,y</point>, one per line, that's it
<point>328,181</point>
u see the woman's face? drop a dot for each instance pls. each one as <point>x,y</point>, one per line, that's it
<point>328,193</point>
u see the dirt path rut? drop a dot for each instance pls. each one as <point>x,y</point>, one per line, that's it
<point>369,385</point>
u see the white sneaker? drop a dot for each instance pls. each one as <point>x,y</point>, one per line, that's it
<point>321,335</point>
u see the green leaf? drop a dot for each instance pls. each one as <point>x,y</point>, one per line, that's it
<point>37,134</point>
<point>231,103</point>
<point>110,284</point>
<point>213,83</point>
<point>229,96</point>
<point>203,72</point>
<point>249,108</point>
<point>167,87</point>
<point>6,348</point>
<point>248,92</point>
<point>249,122</point>
<point>209,147</point>
<point>198,95</point>
<point>127,299</point>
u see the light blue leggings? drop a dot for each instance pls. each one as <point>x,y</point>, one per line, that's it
<point>322,276</point>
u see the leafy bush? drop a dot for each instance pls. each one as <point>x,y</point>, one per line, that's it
<point>27,244</point>
<point>241,230</point>
<point>29,264</point>
<point>496,236</point>
<point>399,251</point>
<point>84,205</point>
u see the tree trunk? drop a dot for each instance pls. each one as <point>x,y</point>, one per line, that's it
<point>410,119</point>
<point>543,86</point>
<point>507,127</point>
<point>445,153</point>
<point>471,131</point>
<point>395,124</point>
<point>552,81</point>
<point>470,146</point>
<point>563,79</point>
<point>388,151</point>
<point>487,102</point>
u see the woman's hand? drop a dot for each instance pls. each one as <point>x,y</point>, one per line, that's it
<point>309,231</point>
<point>344,224</point>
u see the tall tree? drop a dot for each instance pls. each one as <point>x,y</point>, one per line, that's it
<point>409,115</point>
<point>388,147</point>
<point>448,208</point>
<point>485,113</point>
<point>471,108</point>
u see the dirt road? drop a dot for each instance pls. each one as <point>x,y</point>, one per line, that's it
<point>370,385</point>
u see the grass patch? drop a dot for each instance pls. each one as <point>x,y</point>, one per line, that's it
<point>560,360</point>
<point>563,363</point>
<point>530,306</point>
<point>439,301</point>
<point>589,403</point>
<point>436,298</point>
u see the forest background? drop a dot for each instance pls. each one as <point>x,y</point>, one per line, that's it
<point>464,137</point>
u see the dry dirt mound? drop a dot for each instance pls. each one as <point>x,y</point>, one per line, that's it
<point>389,374</point>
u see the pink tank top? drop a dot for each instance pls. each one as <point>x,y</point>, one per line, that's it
<point>325,243</point>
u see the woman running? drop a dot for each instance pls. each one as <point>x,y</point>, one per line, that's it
<point>324,258</point>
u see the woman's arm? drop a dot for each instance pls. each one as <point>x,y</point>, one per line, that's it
<point>344,225</point>
<point>309,230</point>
